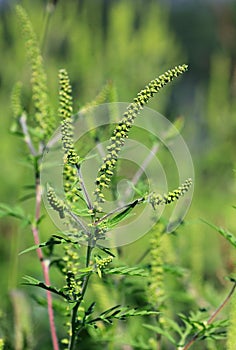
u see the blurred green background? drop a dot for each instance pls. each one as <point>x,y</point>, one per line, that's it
<point>131,42</point>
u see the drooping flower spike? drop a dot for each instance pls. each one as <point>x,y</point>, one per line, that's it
<point>157,199</point>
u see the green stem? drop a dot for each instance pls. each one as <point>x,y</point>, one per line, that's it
<point>48,14</point>
<point>74,329</point>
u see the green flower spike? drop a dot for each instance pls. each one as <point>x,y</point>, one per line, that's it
<point>71,159</point>
<point>122,129</point>
<point>40,96</point>
<point>155,290</point>
<point>157,199</point>
<point>56,203</point>
<point>65,112</point>
<point>16,101</point>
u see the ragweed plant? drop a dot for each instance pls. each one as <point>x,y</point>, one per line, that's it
<point>77,197</point>
<point>93,282</point>
<point>78,265</point>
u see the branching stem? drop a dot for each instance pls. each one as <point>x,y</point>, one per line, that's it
<point>85,192</point>
<point>27,138</point>
<point>74,328</point>
<point>213,316</point>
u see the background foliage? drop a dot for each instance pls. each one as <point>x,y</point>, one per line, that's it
<point>129,43</point>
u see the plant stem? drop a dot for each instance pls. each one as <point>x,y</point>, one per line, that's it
<point>27,138</point>
<point>142,168</point>
<point>74,330</point>
<point>222,305</point>
<point>85,192</point>
<point>213,316</point>
<point>44,263</point>
<point>48,14</point>
<point>35,231</point>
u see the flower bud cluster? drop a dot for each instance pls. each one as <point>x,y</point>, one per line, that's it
<point>56,203</point>
<point>102,263</point>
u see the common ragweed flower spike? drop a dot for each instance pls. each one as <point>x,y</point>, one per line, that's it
<point>157,199</point>
<point>71,159</point>
<point>16,100</point>
<point>122,129</point>
<point>71,183</point>
<point>56,203</point>
<point>43,114</point>
<point>65,112</point>
<point>105,95</point>
<point>155,290</point>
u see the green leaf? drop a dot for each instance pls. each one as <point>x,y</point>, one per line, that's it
<point>33,247</point>
<point>120,313</point>
<point>30,281</point>
<point>140,193</point>
<point>26,197</point>
<point>122,215</point>
<point>137,312</point>
<point>174,129</point>
<point>125,270</point>
<point>90,309</point>
<point>109,310</point>
<point>29,187</point>
<point>86,270</point>
<point>175,270</point>
<point>225,233</point>
<point>231,278</point>
<point>16,212</point>
<point>54,240</point>
<point>26,163</point>
<point>106,250</point>
<point>160,331</point>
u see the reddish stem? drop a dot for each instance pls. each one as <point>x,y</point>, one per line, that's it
<point>44,264</point>
<point>213,316</point>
